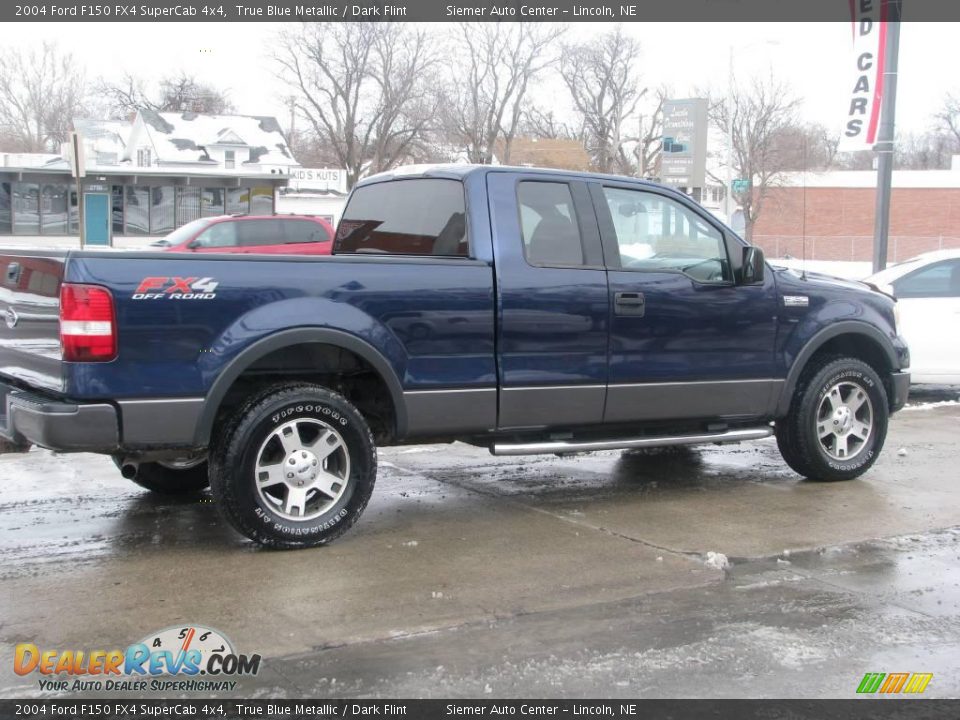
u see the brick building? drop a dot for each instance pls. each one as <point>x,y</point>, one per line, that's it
<point>547,152</point>
<point>834,213</point>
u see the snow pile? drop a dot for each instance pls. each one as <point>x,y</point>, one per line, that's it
<point>717,560</point>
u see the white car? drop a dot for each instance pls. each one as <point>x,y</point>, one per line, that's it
<point>927,289</point>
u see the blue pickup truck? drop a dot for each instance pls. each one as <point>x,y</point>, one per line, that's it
<point>522,310</point>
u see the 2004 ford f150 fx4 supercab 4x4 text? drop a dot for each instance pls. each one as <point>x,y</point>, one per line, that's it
<point>527,311</point>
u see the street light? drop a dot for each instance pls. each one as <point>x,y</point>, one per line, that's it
<point>728,191</point>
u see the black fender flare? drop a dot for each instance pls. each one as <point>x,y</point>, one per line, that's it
<point>288,338</point>
<point>845,327</point>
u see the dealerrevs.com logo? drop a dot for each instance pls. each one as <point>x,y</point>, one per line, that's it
<point>176,288</point>
<point>171,660</point>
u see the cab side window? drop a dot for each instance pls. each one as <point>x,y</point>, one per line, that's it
<point>656,233</point>
<point>551,235</point>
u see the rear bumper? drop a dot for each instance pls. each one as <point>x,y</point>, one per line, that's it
<point>65,426</point>
<point>900,390</point>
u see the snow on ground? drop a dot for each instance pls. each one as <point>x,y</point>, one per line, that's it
<point>72,242</point>
<point>932,405</point>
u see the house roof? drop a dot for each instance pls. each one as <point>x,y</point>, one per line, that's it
<point>185,137</point>
<point>31,161</point>
<point>107,136</point>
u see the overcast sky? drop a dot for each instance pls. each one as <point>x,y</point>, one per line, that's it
<point>811,57</point>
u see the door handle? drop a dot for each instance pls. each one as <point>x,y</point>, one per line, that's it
<point>629,303</point>
<point>630,298</point>
<point>13,273</point>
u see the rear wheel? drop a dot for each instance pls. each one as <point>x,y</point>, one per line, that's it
<point>295,468</point>
<point>837,422</point>
<point>174,477</point>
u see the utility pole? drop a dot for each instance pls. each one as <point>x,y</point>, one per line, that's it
<point>728,190</point>
<point>78,168</point>
<point>641,165</point>
<point>292,105</point>
<point>885,135</point>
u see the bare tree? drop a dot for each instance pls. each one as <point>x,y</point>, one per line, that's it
<point>949,117</point>
<point>365,90</point>
<point>545,125</point>
<point>180,92</point>
<point>122,98</point>
<point>764,116</point>
<point>648,145</point>
<point>924,151</point>
<point>485,97</point>
<point>808,146</point>
<point>184,93</point>
<point>41,91</point>
<point>602,77</point>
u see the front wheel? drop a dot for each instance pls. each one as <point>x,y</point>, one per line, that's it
<point>295,468</point>
<point>837,422</point>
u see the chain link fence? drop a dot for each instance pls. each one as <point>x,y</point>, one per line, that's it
<point>851,248</point>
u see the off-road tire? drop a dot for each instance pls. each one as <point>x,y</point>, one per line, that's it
<point>172,481</point>
<point>797,433</point>
<point>234,464</point>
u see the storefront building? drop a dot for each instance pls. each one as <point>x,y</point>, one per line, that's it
<point>148,176</point>
<point>43,202</point>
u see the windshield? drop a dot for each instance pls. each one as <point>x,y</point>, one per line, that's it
<point>894,271</point>
<point>185,232</point>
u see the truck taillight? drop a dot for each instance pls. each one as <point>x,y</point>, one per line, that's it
<point>88,327</point>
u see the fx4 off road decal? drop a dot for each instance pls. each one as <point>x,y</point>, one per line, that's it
<point>176,288</point>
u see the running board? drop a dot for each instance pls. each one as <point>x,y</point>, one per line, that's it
<point>569,446</point>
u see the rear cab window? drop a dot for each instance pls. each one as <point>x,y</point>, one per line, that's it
<point>420,216</point>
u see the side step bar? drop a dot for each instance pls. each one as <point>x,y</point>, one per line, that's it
<point>569,446</point>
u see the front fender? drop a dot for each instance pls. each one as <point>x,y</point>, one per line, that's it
<point>804,345</point>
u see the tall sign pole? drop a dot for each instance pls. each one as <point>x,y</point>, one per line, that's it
<point>884,147</point>
<point>78,168</point>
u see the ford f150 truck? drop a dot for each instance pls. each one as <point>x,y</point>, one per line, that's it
<point>524,310</point>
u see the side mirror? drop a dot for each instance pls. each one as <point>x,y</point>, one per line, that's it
<point>193,245</point>
<point>753,266</point>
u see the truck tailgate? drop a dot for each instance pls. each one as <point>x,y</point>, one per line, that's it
<point>29,317</point>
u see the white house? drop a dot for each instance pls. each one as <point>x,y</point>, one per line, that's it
<point>245,143</point>
<point>104,141</point>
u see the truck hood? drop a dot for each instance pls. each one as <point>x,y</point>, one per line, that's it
<point>816,279</point>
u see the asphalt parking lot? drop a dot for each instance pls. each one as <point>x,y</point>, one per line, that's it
<point>585,576</point>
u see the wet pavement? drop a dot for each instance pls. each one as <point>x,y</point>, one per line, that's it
<point>470,575</point>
